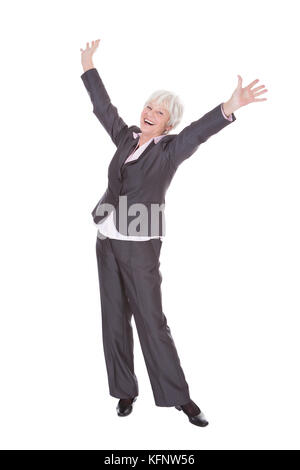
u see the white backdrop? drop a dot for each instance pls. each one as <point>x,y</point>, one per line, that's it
<point>230,269</point>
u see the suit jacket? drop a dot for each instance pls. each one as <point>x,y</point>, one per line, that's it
<point>140,186</point>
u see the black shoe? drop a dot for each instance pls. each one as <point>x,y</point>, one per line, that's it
<point>194,413</point>
<point>124,407</point>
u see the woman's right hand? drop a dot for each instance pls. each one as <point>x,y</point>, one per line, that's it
<point>87,54</point>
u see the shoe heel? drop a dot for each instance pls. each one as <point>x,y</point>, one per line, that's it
<point>178,407</point>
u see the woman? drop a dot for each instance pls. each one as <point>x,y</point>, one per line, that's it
<point>128,249</point>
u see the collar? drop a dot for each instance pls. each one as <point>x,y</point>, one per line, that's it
<point>156,139</point>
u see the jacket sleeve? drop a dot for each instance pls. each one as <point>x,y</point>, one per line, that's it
<point>104,110</point>
<point>188,140</point>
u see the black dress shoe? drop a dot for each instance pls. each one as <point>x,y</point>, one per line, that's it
<point>194,413</point>
<point>124,407</point>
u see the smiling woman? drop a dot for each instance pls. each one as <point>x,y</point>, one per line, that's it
<point>141,170</point>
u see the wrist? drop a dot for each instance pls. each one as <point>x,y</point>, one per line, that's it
<point>228,108</point>
<point>87,64</point>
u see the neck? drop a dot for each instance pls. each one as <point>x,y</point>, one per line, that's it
<point>145,138</point>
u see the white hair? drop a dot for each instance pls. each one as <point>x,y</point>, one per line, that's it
<point>171,102</point>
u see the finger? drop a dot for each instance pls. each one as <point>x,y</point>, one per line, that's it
<point>258,88</point>
<point>239,81</point>
<point>252,83</point>
<point>260,99</point>
<point>261,92</point>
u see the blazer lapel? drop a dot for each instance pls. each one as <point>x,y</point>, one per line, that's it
<point>123,156</point>
<point>128,152</point>
<point>141,156</point>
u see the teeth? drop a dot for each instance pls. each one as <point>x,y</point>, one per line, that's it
<point>146,120</point>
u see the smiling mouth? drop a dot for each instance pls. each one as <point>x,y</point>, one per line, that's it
<point>148,123</point>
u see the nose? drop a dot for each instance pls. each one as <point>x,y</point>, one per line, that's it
<point>148,116</point>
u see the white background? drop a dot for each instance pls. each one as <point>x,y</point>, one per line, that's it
<point>230,267</point>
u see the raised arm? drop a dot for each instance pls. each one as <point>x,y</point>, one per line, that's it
<point>184,144</point>
<point>103,109</point>
<point>188,140</point>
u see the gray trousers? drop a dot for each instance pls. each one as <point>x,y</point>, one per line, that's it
<point>130,284</point>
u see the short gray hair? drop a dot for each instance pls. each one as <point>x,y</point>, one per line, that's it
<point>172,102</point>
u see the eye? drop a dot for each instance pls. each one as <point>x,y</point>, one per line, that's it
<point>148,107</point>
<point>161,112</point>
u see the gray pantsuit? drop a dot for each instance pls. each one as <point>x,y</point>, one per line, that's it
<point>129,276</point>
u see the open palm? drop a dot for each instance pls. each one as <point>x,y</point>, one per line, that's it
<point>243,96</point>
<point>90,50</point>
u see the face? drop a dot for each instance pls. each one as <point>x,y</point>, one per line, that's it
<point>158,115</point>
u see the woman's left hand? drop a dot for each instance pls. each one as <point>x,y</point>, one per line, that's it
<point>243,96</point>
